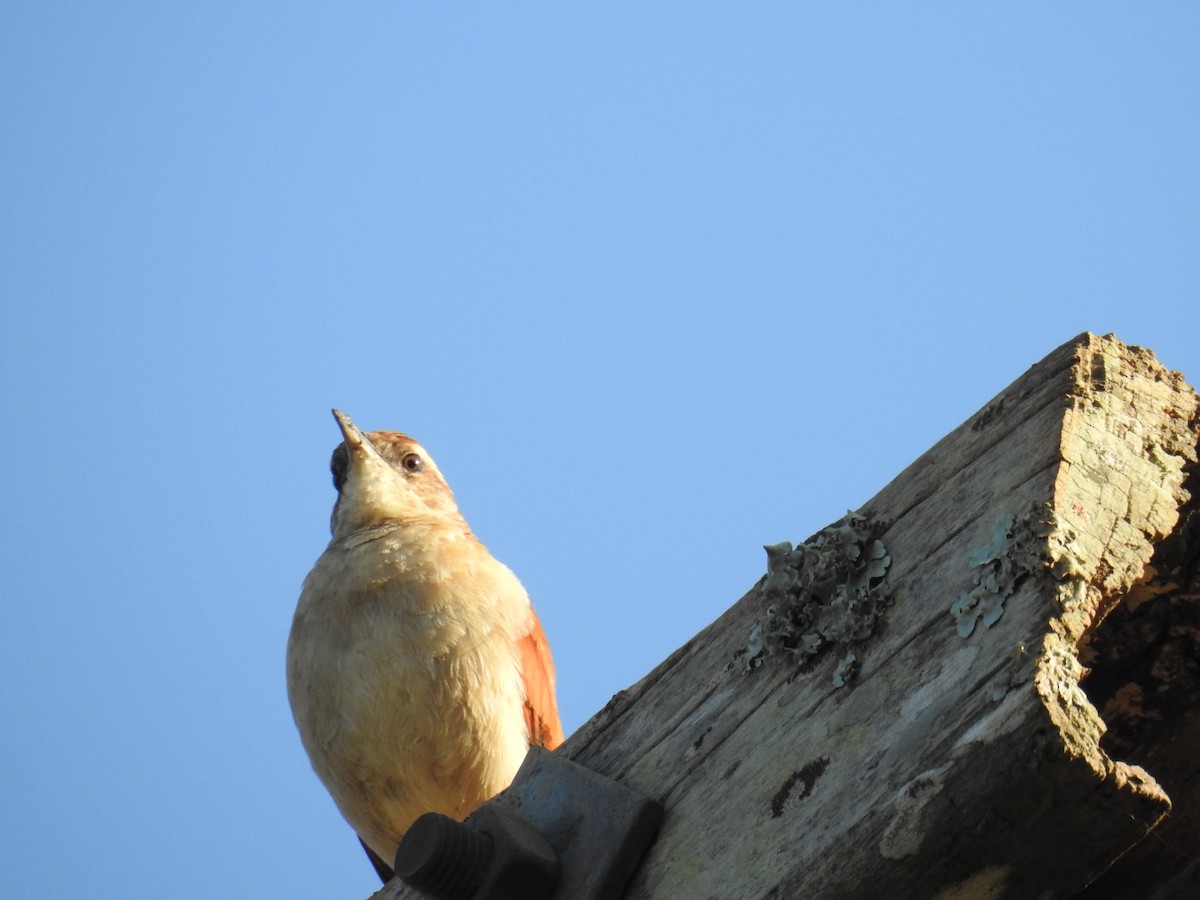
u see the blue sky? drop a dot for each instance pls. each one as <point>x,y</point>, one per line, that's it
<point>655,283</point>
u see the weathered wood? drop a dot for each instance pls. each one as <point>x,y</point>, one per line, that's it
<point>949,766</point>
<point>1146,683</point>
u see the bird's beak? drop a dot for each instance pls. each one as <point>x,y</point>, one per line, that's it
<point>356,442</point>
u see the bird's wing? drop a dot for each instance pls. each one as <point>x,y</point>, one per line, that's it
<point>537,671</point>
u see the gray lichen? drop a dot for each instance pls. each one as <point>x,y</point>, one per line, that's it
<point>1020,546</point>
<point>828,590</point>
<point>846,670</point>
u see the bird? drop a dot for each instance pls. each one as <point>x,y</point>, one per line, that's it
<point>418,673</point>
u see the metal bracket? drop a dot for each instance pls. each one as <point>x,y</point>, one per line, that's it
<point>559,832</point>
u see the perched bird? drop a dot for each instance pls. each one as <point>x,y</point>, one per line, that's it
<point>418,674</point>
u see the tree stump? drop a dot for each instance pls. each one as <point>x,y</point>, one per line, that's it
<point>984,683</point>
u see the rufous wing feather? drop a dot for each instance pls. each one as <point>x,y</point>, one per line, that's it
<point>537,671</point>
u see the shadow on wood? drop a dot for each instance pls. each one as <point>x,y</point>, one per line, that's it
<point>983,684</point>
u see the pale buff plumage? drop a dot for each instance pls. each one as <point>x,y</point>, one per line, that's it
<point>418,673</point>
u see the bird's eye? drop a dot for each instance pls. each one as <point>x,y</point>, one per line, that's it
<point>412,462</point>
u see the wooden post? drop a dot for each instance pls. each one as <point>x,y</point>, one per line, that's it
<point>985,683</point>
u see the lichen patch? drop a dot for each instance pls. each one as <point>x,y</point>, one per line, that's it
<point>829,590</point>
<point>1021,545</point>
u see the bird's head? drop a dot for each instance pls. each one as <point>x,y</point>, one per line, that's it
<point>386,476</point>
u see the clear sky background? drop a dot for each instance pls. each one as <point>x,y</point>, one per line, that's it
<point>654,283</point>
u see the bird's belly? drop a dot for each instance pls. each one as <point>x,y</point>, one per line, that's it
<point>405,711</point>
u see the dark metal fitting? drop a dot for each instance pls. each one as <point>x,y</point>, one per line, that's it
<point>494,855</point>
